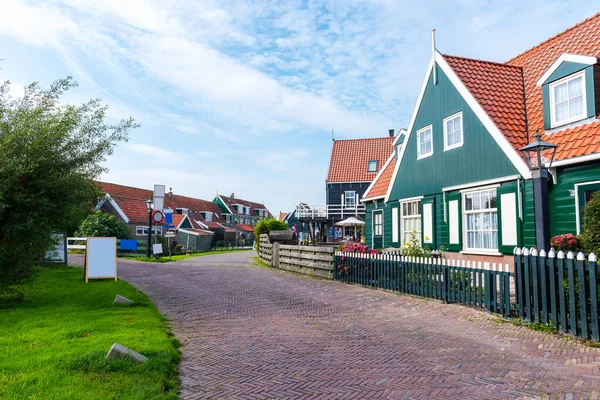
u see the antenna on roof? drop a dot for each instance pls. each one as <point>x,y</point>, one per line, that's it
<point>433,55</point>
<point>332,137</point>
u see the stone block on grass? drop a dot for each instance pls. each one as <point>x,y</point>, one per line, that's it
<point>120,351</point>
<point>122,300</point>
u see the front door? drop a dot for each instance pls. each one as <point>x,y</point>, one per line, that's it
<point>377,229</point>
<point>584,194</point>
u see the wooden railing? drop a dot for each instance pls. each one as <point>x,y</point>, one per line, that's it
<point>331,211</point>
<point>307,260</point>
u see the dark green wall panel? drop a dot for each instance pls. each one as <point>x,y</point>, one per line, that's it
<point>469,163</point>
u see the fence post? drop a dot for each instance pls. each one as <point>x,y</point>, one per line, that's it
<point>593,296</point>
<point>560,265</point>
<point>552,278</point>
<point>526,283</point>
<point>582,295</point>
<point>536,288</point>
<point>543,286</point>
<point>571,280</point>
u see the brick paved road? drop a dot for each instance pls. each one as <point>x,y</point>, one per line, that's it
<point>258,333</point>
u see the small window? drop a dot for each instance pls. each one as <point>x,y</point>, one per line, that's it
<point>143,230</point>
<point>453,132</point>
<point>208,216</point>
<point>372,166</point>
<point>424,142</point>
<point>567,100</point>
<point>410,224</point>
<point>378,224</point>
<point>350,199</point>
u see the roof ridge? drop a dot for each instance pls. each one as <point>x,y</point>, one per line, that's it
<point>483,61</point>
<point>554,37</point>
<point>373,138</point>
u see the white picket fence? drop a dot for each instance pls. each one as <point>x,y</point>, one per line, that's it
<point>71,245</point>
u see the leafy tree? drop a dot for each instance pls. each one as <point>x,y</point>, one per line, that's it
<point>266,226</point>
<point>104,225</point>
<point>50,153</point>
<point>591,225</point>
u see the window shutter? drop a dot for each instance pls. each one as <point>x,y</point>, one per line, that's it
<point>454,221</point>
<point>428,221</point>
<point>509,234</point>
<point>395,225</point>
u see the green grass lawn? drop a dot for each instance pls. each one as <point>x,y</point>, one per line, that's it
<point>53,345</point>
<point>165,259</point>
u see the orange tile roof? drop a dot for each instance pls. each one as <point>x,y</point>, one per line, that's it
<point>380,186</point>
<point>581,39</point>
<point>245,227</point>
<point>499,89</point>
<point>282,216</point>
<point>132,201</point>
<point>349,158</point>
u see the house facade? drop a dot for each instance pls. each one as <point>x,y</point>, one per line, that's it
<point>241,212</point>
<point>353,166</point>
<point>456,178</point>
<point>201,217</point>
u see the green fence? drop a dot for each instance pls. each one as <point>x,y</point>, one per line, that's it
<point>482,285</point>
<point>558,289</point>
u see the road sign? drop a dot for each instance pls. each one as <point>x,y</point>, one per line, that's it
<point>158,216</point>
<point>159,197</point>
<point>170,235</point>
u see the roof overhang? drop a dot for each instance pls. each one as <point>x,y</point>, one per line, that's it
<point>576,160</point>
<point>114,204</point>
<point>576,58</point>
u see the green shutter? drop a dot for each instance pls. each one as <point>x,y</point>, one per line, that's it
<point>508,218</point>
<point>425,204</point>
<point>454,205</point>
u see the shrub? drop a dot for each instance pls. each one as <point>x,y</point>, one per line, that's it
<point>266,226</point>
<point>591,225</point>
<point>565,242</point>
<point>101,224</point>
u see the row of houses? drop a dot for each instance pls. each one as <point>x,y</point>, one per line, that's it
<point>199,224</point>
<point>456,177</point>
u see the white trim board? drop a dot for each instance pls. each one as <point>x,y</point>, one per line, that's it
<point>485,119</point>
<point>576,58</point>
<point>474,185</point>
<point>576,160</point>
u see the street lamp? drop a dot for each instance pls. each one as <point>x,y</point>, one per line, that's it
<point>539,156</point>
<point>149,203</point>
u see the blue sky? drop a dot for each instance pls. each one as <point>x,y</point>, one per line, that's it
<point>241,96</point>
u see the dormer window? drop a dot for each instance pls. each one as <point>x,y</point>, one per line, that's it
<point>372,167</point>
<point>567,99</point>
<point>207,216</point>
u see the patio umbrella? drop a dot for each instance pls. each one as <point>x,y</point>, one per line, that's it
<point>352,221</point>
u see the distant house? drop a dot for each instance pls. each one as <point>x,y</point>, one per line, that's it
<point>237,211</point>
<point>353,165</point>
<point>457,178</point>
<point>282,216</point>
<point>196,215</point>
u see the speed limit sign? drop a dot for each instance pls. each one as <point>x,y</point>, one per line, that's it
<point>158,217</point>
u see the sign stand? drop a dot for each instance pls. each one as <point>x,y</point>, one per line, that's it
<point>100,258</point>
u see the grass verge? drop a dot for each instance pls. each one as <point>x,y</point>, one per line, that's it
<point>166,259</point>
<point>54,343</point>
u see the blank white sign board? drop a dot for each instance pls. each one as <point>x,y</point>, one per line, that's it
<point>101,258</point>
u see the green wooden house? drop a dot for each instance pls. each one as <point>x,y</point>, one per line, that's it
<point>456,177</point>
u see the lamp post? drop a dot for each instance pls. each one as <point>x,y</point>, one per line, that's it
<point>149,207</point>
<point>540,164</point>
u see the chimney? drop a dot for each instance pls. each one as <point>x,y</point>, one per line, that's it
<point>170,194</point>
<point>232,195</point>
<point>391,132</point>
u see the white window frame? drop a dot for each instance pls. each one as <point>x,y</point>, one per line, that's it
<point>551,87</point>
<point>404,236</point>
<point>208,216</point>
<point>377,226</point>
<point>141,230</point>
<point>465,230</point>
<point>369,165</point>
<point>462,132</point>
<point>419,132</point>
<point>346,197</point>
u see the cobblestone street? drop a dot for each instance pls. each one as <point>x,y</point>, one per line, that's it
<point>259,333</point>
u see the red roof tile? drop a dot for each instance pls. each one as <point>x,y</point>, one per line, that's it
<point>499,89</point>
<point>380,186</point>
<point>245,227</point>
<point>350,158</point>
<point>132,200</point>
<point>282,216</point>
<point>581,39</point>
